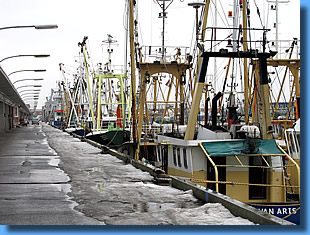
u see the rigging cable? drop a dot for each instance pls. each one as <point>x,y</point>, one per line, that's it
<point>268,15</point>
<point>220,71</point>
<point>240,67</point>
<point>249,23</point>
<point>88,52</point>
<point>284,97</point>
<point>227,23</point>
<point>258,13</point>
<point>216,10</point>
<point>261,22</point>
<point>125,16</point>
<point>195,47</point>
<point>221,41</point>
<point>136,25</point>
<point>194,33</point>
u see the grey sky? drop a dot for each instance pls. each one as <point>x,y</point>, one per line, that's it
<point>96,19</point>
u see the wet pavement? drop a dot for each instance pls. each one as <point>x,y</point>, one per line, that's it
<point>33,189</point>
<point>49,177</point>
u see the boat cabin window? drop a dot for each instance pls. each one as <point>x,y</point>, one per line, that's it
<point>179,157</point>
<point>106,124</point>
<point>174,156</point>
<point>185,158</point>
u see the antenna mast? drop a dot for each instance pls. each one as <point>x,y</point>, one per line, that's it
<point>276,25</point>
<point>109,41</point>
<point>163,15</point>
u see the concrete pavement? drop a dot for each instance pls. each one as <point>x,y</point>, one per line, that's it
<point>33,190</point>
<point>48,177</point>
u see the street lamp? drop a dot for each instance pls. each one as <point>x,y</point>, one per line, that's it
<point>28,70</point>
<point>28,86</point>
<point>29,90</point>
<point>26,94</point>
<point>32,79</point>
<point>30,95</point>
<point>34,97</point>
<point>31,99</point>
<point>36,56</point>
<point>51,26</point>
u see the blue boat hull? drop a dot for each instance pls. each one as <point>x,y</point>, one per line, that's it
<point>287,211</point>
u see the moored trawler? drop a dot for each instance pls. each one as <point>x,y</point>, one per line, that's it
<point>240,158</point>
<point>167,121</point>
<point>249,170</point>
<point>244,163</point>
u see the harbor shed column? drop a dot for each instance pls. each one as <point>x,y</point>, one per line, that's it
<point>2,117</point>
<point>6,117</point>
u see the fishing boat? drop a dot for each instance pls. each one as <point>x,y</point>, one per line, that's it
<point>75,99</point>
<point>240,159</point>
<point>108,110</point>
<point>251,167</point>
<point>53,111</point>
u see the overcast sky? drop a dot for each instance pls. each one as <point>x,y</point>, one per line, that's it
<point>96,19</point>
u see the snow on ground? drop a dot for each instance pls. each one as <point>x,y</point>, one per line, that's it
<point>109,190</point>
<point>208,214</point>
<point>168,205</point>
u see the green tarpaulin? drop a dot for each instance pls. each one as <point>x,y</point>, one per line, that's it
<point>241,147</point>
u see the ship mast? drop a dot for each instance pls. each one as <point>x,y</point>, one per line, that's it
<point>235,25</point>
<point>215,46</point>
<point>109,42</point>
<point>83,50</point>
<point>276,7</point>
<point>133,70</point>
<point>246,75</point>
<point>277,28</point>
<point>199,85</point>
<point>163,15</point>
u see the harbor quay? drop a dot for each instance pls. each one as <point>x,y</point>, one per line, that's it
<point>47,177</point>
<point>143,123</point>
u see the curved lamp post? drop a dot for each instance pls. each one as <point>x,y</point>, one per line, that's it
<point>31,99</point>
<point>48,26</point>
<point>29,90</point>
<point>53,26</point>
<point>30,93</point>
<point>31,96</point>
<point>28,79</point>
<point>14,56</point>
<point>28,70</point>
<point>28,86</point>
